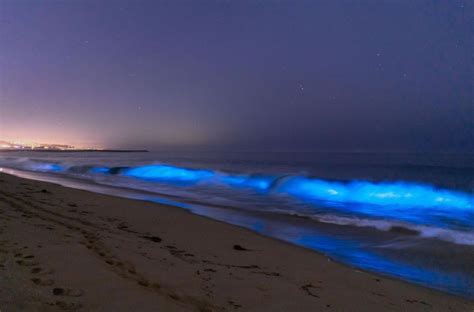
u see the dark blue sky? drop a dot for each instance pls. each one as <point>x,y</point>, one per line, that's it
<point>279,75</point>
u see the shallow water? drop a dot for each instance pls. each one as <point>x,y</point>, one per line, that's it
<point>409,216</point>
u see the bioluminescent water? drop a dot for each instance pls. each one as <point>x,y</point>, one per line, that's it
<point>384,213</point>
<point>394,194</point>
<point>165,173</point>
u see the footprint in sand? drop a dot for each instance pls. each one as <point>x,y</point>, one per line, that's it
<point>41,271</point>
<point>26,263</point>
<point>42,282</point>
<point>68,305</point>
<point>67,292</point>
<point>308,289</point>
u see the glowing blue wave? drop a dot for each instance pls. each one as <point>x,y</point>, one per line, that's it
<point>46,167</point>
<point>168,173</point>
<point>393,194</point>
<point>416,203</point>
<point>389,194</point>
<point>256,182</point>
<point>99,170</point>
<point>409,202</point>
<point>173,174</point>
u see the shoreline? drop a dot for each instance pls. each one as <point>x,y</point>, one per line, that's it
<point>166,257</point>
<point>338,243</point>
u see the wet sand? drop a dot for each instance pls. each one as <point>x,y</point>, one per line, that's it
<point>66,249</point>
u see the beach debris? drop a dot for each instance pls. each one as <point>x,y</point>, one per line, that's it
<point>240,248</point>
<point>268,273</point>
<point>155,239</point>
<point>307,288</point>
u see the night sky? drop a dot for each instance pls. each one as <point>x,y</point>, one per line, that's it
<point>258,75</point>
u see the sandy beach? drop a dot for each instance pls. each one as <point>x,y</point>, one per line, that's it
<point>67,249</point>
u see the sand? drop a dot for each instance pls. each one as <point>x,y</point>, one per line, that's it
<point>66,249</point>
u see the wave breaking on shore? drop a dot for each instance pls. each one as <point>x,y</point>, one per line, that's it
<point>407,207</point>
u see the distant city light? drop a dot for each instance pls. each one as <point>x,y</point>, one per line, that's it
<point>16,145</point>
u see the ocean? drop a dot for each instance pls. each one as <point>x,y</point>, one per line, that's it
<point>405,215</point>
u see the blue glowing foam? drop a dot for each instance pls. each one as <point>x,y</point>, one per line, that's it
<point>168,173</point>
<point>396,193</point>
<point>99,170</point>
<point>47,167</point>
<point>256,182</point>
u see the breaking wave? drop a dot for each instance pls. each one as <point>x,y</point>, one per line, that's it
<point>458,237</point>
<point>406,207</point>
